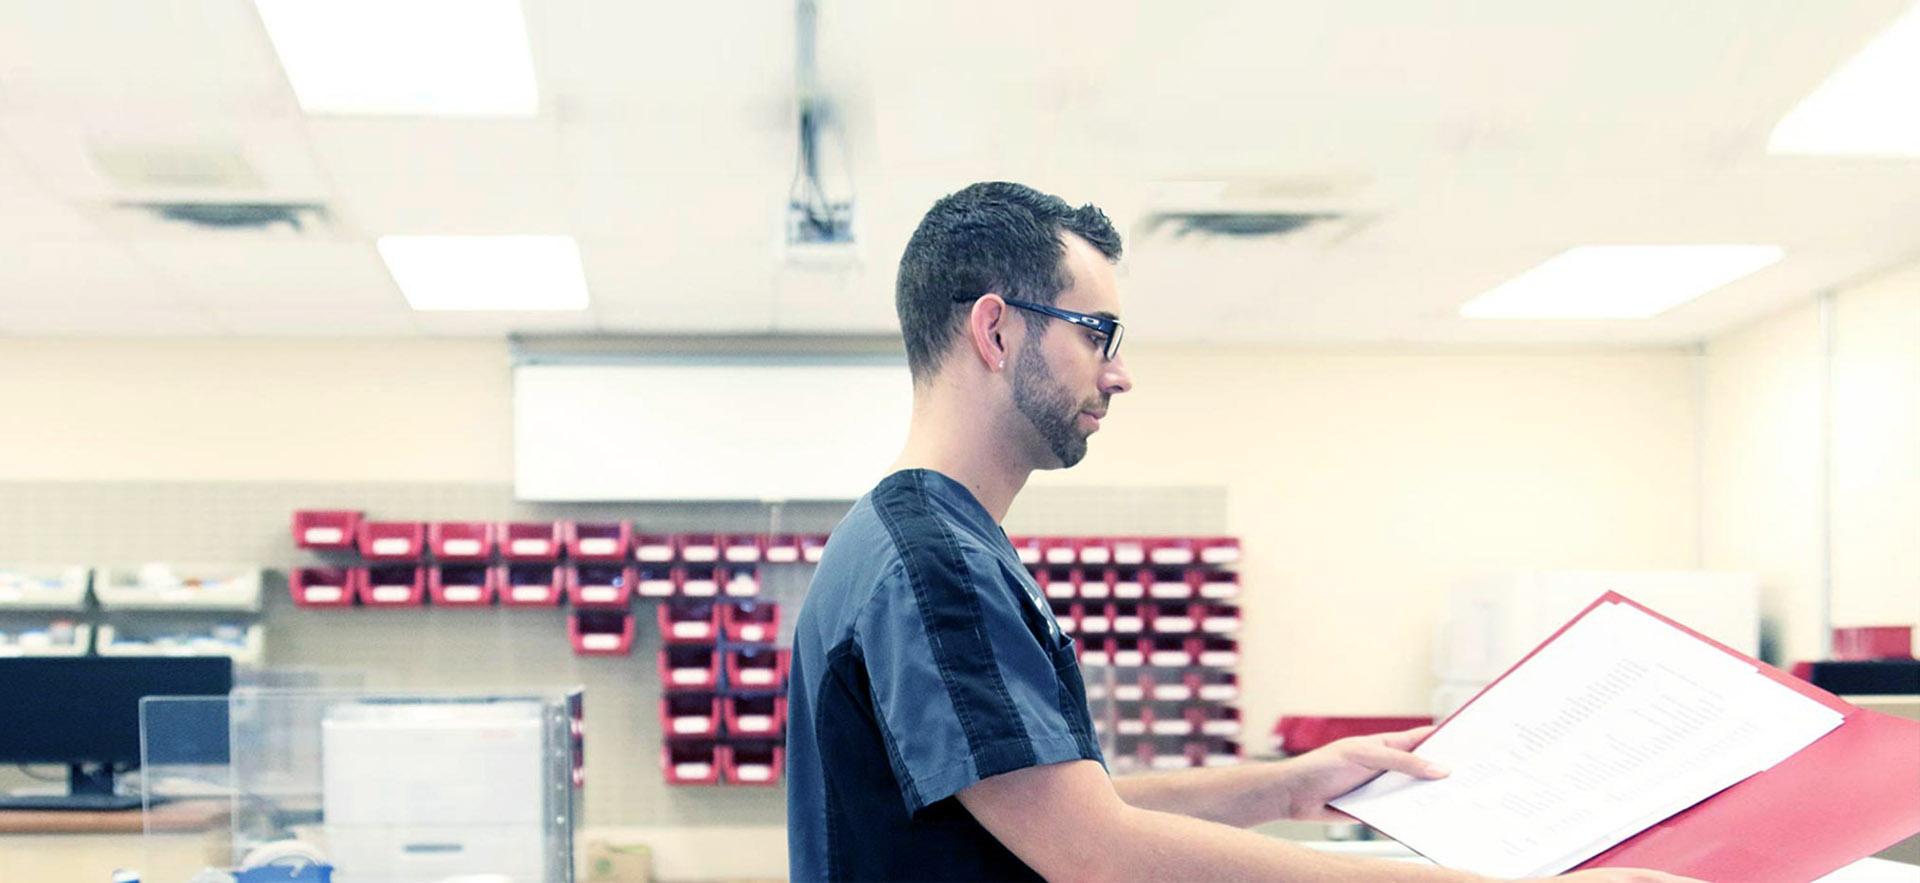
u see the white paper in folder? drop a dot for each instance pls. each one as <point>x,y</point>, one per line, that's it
<point>1616,724</point>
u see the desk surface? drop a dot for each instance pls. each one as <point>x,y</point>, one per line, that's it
<point>184,815</point>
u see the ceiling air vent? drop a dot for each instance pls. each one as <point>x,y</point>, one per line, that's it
<point>277,219</point>
<point>1236,225</point>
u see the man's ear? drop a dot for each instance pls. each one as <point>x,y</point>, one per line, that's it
<point>988,330</point>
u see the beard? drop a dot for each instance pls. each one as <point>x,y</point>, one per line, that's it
<point>1049,407</point>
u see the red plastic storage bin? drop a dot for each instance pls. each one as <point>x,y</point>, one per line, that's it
<point>1218,551</point>
<point>756,669</point>
<point>599,585</point>
<point>532,540</point>
<point>750,763</point>
<point>598,540</point>
<point>699,548</point>
<point>739,581</point>
<point>1129,551</point>
<point>655,581</point>
<point>783,549</point>
<point>600,632</point>
<point>1058,582</point>
<point>1131,585</point>
<point>461,540</point>
<point>1168,584</point>
<point>1219,585</point>
<point>689,622</point>
<point>1170,551</point>
<point>463,585</point>
<point>1174,652</point>
<point>1129,617</point>
<point>690,716</point>
<point>689,668</point>
<point>691,762</point>
<point>391,585</point>
<point>1214,652</point>
<point>1097,584</point>
<point>1063,613</point>
<point>532,585</point>
<point>750,622</point>
<point>1219,619</point>
<point>1173,618</point>
<point>1129,652</point>
<point>756,716</point>
<point>1029,549</point>
<point>812,547</point>
<point>1221,721</point>
<point>1868,642</point>
<point>653,548</point>
<point>392,540</point>
<point>1095,652</point>
<point>321,586</point>
<point>1095,551</point>
<point>699,582</point>
<point>1093,620</point>
<point>1059,550</point>
<point>325,529</point>
<point>742,548</point>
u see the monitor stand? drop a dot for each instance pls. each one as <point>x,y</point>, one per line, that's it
<point>89,788</point>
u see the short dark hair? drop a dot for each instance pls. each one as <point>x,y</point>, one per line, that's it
<point>994,236</point>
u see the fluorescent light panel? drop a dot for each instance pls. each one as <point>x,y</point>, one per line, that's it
<point>1619,281</point>
<point>1867,107</point>
<point>405,57</point>
<point>487,272</point>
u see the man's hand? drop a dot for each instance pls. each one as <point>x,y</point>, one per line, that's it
<point>1334,769</point>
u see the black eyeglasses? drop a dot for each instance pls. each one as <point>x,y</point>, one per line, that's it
<point>1109,330</point>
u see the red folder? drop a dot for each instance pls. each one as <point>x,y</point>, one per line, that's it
<point>1853,792</point>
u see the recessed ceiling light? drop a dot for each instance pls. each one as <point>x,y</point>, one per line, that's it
<point>405,57</point>
<point>1866,108</point>
<point>487,272</point>
<point>1619,281</point>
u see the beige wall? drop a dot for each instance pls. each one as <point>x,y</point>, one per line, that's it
<point>253,410</point>
<point>1365,484</point>
<point>1777,431</point>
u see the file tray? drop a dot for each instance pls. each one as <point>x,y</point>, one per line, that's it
<point>242,642</point>
<point>44,637</point>
<point>170,586</point>
<point>27,587</point>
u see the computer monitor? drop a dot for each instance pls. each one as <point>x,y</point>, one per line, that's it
<point>84,711</point>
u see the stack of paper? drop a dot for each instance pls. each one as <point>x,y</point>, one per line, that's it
<point>1620,721</point>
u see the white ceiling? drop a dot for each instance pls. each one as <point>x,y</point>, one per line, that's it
<point>1467,143</point>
